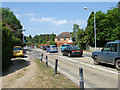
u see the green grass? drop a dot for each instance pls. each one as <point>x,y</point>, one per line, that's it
<point>48,79</point>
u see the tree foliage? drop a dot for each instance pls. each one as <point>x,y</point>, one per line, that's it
<point>40,39</point>
<point>107,28</point>
<point>11,35</point>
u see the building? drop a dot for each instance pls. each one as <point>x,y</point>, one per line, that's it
<point>63,38</point>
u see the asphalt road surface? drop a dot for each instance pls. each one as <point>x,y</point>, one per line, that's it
<point>95,76</point>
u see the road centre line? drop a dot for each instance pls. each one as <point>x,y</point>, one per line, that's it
<point>67,58</point>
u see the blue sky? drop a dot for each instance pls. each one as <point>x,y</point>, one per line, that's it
<point>54,17</point>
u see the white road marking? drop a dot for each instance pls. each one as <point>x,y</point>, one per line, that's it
<point>99,68</point>
<point>67,58</point>
<point>73,60</point>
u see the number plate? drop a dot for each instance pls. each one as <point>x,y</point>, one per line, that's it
<point>78,51</point>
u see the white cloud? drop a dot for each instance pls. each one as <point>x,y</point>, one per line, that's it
<point>79,22</point>
<point>59,22</point>
<point>29,14</point>
<point>48,19</point>
<point>43,19</point>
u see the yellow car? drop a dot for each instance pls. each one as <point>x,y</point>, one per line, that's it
<point>18,51</point>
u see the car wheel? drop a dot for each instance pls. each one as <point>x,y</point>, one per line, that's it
<point>117,64</point>
<point>96,61</point>
<point>69,55</point>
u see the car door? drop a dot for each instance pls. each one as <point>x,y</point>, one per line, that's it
<point>105,53</point>
<point>119,50</point>
<point>113,53</point>
<point>64,51</point>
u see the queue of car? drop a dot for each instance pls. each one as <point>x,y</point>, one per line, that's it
<point>66,49</point>
<point>110,53</point>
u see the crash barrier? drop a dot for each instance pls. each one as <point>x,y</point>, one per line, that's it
<point>81,82</point>
<point>41,58</point>
<point>46,61</point>
<point>81,78</point>
<point>56,64</point>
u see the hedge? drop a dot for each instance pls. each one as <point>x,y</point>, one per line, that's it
<point>8,41</point>
<point>6,47</point>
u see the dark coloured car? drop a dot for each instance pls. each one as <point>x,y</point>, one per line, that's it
<point>63,46</point>
<point>109,54</point>
<point>72,51</point>
<point>45,47</point>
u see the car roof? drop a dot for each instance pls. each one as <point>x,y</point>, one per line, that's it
<point>17,46</point>
<point>65,44</point>
<point>117,41</point>
<point>52,45</point>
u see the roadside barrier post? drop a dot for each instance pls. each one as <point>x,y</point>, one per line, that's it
<point>56,64</point>
<point>41,58</point>
<point>81,79</point>
<point>46,61</point>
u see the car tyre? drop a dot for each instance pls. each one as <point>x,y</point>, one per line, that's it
<point>96,61</point>
<point>117,64</point>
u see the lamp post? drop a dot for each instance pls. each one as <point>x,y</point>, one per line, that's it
<point>94,25</point>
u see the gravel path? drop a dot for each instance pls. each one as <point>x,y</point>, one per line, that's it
<point>21,74</point>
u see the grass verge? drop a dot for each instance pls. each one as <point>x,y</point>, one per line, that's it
<point>48,79</point>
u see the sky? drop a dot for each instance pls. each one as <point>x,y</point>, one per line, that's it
<point>54,17</point>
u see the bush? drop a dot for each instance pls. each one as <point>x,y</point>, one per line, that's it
<point>53,43</point>
<point>8,41</point>
<point>6,46</point>
<point>16,41</point>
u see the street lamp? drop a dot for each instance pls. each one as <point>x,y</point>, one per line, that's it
<point>94,25</point>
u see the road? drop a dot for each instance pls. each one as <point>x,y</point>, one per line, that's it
<point>95,76</point>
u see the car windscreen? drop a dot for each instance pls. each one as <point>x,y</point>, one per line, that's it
<point>53,46</point>
<point>63,45</point>
<point>75,48</point>
<point>15,49</point>
<point>67,45</point>
<point>119,47</point>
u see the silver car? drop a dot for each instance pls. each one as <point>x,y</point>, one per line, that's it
<point>109,54</point>
<point>52,48</point>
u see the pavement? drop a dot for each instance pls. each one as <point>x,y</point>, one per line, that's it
<point>95,76</point>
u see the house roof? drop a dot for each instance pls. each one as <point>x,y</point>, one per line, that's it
<point>64,35</point>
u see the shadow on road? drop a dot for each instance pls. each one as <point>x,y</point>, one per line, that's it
<point>107,65</point>
<point>16,64</point>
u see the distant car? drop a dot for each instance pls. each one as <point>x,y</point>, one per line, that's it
<point>52,48</point>
<point>109,54</point>
<point>48,48</point>
<point>45,47</point>
<point>41,47</point>
<point>72,51</point>
<point>63,46</point>
<point>18,51</point>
